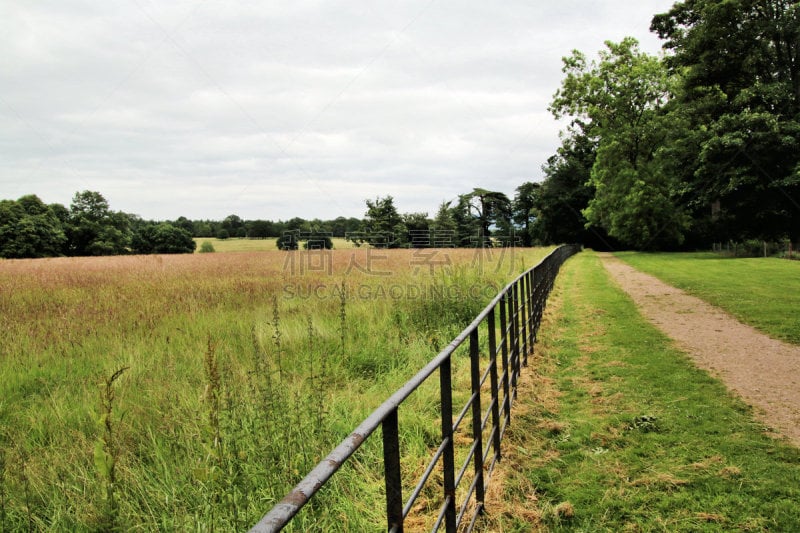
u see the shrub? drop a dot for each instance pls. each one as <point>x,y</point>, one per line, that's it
<point>207,247</point>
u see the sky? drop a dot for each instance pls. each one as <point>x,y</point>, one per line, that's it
<point>272,110</point>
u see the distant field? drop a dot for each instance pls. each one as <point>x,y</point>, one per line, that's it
<point>258,245</point>
<point>762,292</point>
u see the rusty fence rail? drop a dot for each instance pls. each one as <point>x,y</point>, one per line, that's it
<point>515,313</point>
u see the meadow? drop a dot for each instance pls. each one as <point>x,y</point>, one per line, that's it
<point>191,392</point>
<point>258,245</point>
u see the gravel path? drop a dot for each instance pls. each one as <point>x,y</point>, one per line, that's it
<point>765,372</point>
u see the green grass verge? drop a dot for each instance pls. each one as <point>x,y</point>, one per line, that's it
<point>764,293</point>
<point>624,433</point>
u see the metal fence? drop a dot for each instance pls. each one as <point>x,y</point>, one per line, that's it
<point>518,309</point>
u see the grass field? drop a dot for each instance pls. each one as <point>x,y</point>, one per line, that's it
<point>257,245</point>
<point>764,293</point>
<point>191,392</point>
<point>620,432</point>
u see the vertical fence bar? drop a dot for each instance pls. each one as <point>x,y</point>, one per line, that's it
<point>504,349</point>
<point>392,476</point>
<point>493,377</point>
<point>448,458</point>
<point>532,311</point>
<point>477,414</point>
<point>514,340</point>
<point>523,308</point>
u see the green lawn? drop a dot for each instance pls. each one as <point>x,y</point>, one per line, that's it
<point>623,433</point>
<point>764,293</point>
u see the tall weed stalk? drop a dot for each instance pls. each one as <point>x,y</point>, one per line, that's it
<point>106,453</point>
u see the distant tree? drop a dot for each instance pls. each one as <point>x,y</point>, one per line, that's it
<point>260,229</point>
<point>488,208</point>
<point>523,208</point>
<point>169,239</point>
<point>29,228</point>
<point>318,242</point>
<point>418,230</point>
<point>185,224</point>
<point>382,226</point>
<point>93,229</point>
<point>203,228</point>
<point>289,240</point>
<point>232,224</point>
<point>222,234</point>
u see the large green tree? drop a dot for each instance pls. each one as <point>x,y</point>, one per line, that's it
<point>739,62</point>
<point>617,101</point>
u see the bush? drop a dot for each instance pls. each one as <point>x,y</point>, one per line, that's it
<point>207,247</point>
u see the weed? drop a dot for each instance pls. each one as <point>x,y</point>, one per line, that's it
<point>343,318</point>
<point>276,335</point>
<point>2,489</point>
<point>106,453</point>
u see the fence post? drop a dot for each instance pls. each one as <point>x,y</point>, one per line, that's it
<point>504,349</point>
<point>523,311</point>
<point>393,479</point>
<point>514,319</point>
<point>477,431</point>
<point>493,377</point>
<point>532,310</point>
<point>448,458</point>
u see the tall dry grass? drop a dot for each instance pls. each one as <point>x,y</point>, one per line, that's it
<point>243,371</point>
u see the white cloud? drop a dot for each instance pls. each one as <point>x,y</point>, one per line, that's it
<point>275,110</point>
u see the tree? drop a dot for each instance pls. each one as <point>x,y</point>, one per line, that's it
<point>739,62</point>
<point>418,230</point>
<point>523,208</point>
<point>383,225</point>
<point>487,208</point>
<point>289,240</point>
<point>260,229</point>
<point>93,229</point>
<point>318,242</point>
<point>29,229</point>
<point>565,194</point>
<point>169,239</point>
<point>617,101</point>
<point>234,225</point>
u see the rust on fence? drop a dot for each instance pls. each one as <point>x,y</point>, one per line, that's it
<point>519,305</point>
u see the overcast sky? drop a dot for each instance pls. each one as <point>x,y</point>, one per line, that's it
<point>272,110</point>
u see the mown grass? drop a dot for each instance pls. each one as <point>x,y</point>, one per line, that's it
<point>762,292</point>
<point>619,431</point>
<point>190,393</point>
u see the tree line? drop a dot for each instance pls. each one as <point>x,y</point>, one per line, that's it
<point>29,228</point>
<point>700,145</point>
<point>697,146</point>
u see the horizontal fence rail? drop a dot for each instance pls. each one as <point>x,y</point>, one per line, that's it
<point>518,308</point>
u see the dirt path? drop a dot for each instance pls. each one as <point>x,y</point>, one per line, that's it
<point>763,371</point>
